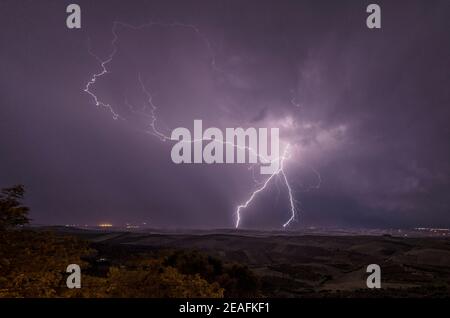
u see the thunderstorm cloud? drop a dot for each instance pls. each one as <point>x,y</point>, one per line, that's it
<point>366,111</point>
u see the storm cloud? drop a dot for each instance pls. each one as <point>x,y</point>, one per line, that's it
<point>366,111</point>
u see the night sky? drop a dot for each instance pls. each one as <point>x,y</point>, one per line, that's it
<point>367,110</point>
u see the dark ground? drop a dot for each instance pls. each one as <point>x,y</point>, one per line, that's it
<point>296,265</point>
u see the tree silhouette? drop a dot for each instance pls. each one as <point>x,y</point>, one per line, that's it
<point>12,212</point>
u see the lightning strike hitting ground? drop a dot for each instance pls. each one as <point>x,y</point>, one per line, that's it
<point>263,187</point>
<point>153,117</point>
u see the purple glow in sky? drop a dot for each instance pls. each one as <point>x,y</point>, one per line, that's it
<point>366,112</point>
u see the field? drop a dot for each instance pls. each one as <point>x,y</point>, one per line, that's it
<point>290,264</point>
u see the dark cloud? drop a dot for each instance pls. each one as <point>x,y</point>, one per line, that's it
<point>366,109</point>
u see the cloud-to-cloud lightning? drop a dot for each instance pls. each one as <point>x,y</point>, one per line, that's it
<point>152,116</point>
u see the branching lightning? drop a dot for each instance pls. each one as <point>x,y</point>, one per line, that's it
<point>279,172</point>
<point>149,111</point>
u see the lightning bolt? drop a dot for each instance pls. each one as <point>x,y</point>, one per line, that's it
<point>94,78</point>
<point>149,111</point>
<point>279,172</point>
